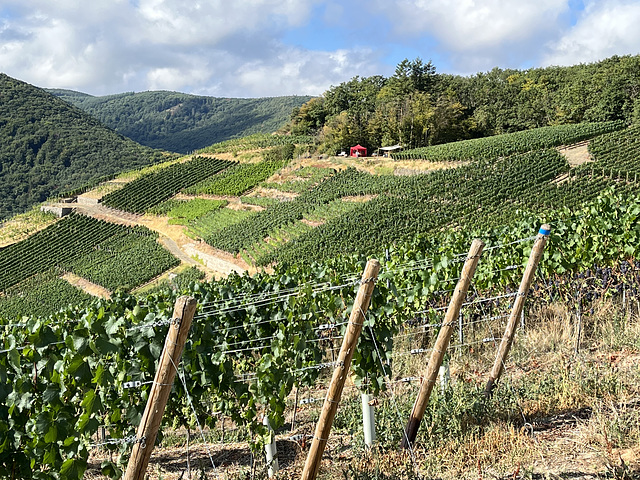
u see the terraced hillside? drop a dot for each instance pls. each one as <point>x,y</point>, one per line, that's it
<point>262,344</point>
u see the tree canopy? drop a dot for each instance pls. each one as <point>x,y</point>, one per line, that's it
<point>418,107</point>
<point>182,123</point>
<point>48,146</point>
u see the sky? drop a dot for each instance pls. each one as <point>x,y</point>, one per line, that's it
<point>256,48</point>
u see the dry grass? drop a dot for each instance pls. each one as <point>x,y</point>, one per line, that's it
<point>21,226</point>
<point>378,165</point>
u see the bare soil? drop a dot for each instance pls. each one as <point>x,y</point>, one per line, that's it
<point>576,154</point>
<point>87,286</point>
<point>106,187</point>
<point>273,193</point>
<point>359,198</point>
<point>377,165</point>
<point>310,223</point>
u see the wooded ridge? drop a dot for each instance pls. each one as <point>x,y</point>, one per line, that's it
<point>182,123</point>
<point>48,146</point>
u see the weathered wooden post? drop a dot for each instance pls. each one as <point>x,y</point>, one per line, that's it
<point>183,313</point>
<point>518,305</point>
<point>330,406</point>
<point>442,342</point>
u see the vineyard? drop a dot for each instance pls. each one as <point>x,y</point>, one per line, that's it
<point>74,382</point>
<point>236,180</point>
<point>257,141</point>
<point>257,227</point>
<point>510,143</point>
<point>40,296</point>
<point>67,239</point>
<point>486,191</point>
<point>217,221</point>
<point>151,189</point>
<point>254,339</point>
<point>124,261</point>
<point>617,154</point>
<point>479,193</point>
<point>107,254</point>
<point>261,252</point>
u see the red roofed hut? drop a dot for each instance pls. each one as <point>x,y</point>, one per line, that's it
<point>358,151</point>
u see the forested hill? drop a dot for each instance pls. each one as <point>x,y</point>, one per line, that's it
<point>418,106</point>
<point>179,122</point>
<point>48,146</point>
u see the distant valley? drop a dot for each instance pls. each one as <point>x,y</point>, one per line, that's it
<point>179,122</point>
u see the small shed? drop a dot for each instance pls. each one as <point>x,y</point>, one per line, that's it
<point>358,151</point>
<point>391,149</point>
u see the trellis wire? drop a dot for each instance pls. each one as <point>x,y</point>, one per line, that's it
<point>193,409</point>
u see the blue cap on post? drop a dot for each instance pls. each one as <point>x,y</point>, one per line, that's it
<point>545,230</point>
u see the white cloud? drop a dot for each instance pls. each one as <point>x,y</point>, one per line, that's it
<point>470,25</point>
<point>473,35</point>
<point>235,48</point>
<point>301,72</point>
<point>109,46</point>
<point>196,23</point>
<point>605,28</point>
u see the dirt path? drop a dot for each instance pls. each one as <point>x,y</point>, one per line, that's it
<point>215,263</point>
<point>87,286</point>
<point>172,246</point>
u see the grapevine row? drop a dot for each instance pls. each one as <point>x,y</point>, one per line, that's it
<point>68,239</point>
<point>124,262</point>
<point>127,256</point>
<point>618,153</point>
<point>151,189</point>
<point>236,180</point>
<point>40,296</point>
<point>82,358</point>
<point>479,193</point>
<point>510,143</point>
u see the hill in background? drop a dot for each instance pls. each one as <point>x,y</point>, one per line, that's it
<point>181,122</point>
<point>48,146</point>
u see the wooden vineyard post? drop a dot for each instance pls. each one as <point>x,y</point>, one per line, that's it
<point>518,305</point>
<point>170,358</point>
<point>349,342</point>
<point>442,342</point>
